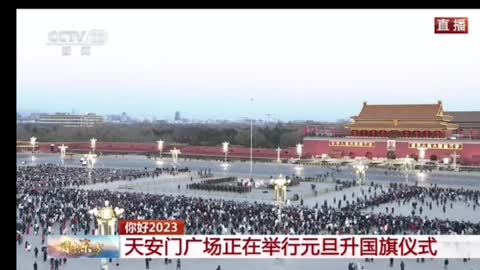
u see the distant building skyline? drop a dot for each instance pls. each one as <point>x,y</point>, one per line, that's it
<point>71,120</point>
<point>316,65</point>
<point>124,117</point>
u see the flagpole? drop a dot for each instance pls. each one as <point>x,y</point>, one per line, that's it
<point>251,144</point>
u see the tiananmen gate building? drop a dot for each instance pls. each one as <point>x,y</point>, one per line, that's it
<point>398,131</point>
<point>424,121</point>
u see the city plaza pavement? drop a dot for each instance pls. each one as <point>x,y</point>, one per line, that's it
<point>167,184</point>
<point>261,169</point>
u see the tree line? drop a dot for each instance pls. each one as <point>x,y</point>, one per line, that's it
<point>199,134</point>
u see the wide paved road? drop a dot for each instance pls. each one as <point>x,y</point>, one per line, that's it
<point>261,169</point>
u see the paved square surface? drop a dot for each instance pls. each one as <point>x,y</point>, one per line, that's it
<point>167,184</point>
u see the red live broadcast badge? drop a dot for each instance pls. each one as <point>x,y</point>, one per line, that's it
<point>451,25</point>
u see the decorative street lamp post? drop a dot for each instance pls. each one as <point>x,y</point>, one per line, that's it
<point>360,172</point>
<point>33,142</point>
<point>454,156</point>
<point>408,167</point>
<point>107,218</point>
<point>160,147</point>
<point>63,151</point>
<point>93,143</point>
<point>278,154</point>
<point>299,150</point>
<point>225,150</point>
<point>251,144</point>
<point>175,152</point>
<point>280,187</point>
<point>421,156</point>
<point>160,150</point>
<point>91,160</point>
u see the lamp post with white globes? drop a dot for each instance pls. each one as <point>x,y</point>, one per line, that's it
<point>160,147</point>
<point>107,219</point>
<point>299,150</point>
<point>279,150</point>
<point>421,157</point>
<point>360,172</point>
<point>63,152</point>
<point>93,144</point>
<point>454,160</point>
<point>408,167</point>
<point>225,149</point>
<point>280,187</point>
<point>160,150</point>
<point>33,143</point>
<point>91,160</point>
<point>175,152</point>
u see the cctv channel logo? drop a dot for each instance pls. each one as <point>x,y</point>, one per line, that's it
<point>84,39</point>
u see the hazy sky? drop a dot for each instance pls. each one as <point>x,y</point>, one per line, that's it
<point>296,64</point>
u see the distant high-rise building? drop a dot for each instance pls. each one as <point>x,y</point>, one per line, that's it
<point>124,117</point>
<point>177,116</point>
<point>70,120</point>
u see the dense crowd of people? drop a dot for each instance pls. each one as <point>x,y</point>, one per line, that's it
<point>46,204</point>
<point>44,201</point>
<point>220,180</point>
<point>232,187</point>
<point>56,176</point>
<point>319,178</point>
<point>222,184</point>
